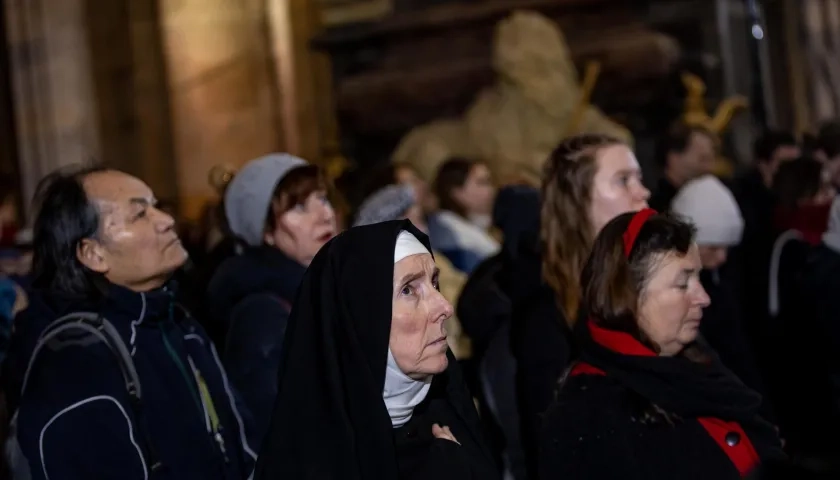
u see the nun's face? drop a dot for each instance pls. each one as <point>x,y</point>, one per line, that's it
<point>418,338</point>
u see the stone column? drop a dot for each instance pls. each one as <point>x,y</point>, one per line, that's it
<point>303,79</point>
<point>223,103</point>
<point>55,109</point>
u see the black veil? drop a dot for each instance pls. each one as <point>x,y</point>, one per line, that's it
<point>329,418</point>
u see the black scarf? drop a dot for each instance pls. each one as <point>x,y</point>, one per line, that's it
<point>329,419</point>
<point>678,385</point>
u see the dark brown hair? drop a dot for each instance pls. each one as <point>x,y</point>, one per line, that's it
<point>566,231</point>
<point>678,138</point>
<point>771,140</point>
<point>613,283</point>
<point>451,175</point>
<point>293,189</point>
<point>796,181</point>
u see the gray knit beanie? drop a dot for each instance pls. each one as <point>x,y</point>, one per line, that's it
<point>388,203</point>
<point>248,196</point>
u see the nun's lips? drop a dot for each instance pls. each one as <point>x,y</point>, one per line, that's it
<point>438,341</point>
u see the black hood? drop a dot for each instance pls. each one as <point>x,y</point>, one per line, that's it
<point>258,270</point>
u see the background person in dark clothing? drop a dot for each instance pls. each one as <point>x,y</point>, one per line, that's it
<point>485,310</point>
<point>277,206</point>
<point>101,246</point>
<point>800,378</point>
<point>711,207</point>
<point>687,152</point>
<point>757,202</point>
<point>588,180</point>
<point>368,388</point>
<point>818,345</point>
<point>646,400</point>
<point>825,147</point>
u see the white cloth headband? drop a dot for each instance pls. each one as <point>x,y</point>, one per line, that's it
<point>407,245</point>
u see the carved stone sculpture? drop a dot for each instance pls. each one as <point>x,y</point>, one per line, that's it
<point>516,123</point>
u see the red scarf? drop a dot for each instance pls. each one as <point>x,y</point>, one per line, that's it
<point>809,220</point>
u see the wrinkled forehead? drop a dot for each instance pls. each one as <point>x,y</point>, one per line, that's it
<point>116,189</point>
<point>671,264</point>
<point>421,265</point>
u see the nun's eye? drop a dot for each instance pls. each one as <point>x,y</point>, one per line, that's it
<point>407,290</point>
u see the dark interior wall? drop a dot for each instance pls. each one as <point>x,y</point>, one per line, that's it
<point>129,76</point>
<point>8,137</point>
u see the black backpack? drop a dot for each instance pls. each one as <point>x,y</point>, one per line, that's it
<point>88,328</point>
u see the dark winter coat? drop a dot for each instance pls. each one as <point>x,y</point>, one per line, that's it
<point>75,419</point>
<point>625,412</point>
<point>251,295</point>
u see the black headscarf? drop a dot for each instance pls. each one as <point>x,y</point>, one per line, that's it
<point>330,420</point>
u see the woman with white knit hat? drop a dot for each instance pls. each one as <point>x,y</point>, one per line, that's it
<point>711,207</point>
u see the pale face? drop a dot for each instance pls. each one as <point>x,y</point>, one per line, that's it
<point>617,186</point>
<point>478,192</point>
<point>137,246</point>
<point>305,228</point>
<point>425,199</point>
<point>826,193</point>
<point>418,338</point>
<point>712,256</point>
<point>672,302</point>
<point>698,158</point>
<point>784,153</point>
<point>832,169</point>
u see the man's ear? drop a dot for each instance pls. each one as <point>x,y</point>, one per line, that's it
<point>90,254</point>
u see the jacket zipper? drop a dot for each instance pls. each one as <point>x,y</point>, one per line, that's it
<point>216,438</point>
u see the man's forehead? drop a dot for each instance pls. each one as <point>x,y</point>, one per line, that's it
<point>116,187</point>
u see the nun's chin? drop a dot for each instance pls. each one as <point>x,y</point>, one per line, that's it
<point>438,363</point>
<point>431,365</point>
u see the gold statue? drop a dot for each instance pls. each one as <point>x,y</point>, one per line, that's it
<point>695,106</point>
<point>695,114</point>
<point>516,123</point>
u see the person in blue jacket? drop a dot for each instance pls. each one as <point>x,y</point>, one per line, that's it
<point>107,376</point>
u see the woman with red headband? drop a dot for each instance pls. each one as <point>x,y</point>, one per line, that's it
<point>646,400</point>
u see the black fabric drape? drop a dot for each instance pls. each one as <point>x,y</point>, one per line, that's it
<point>329,420</point>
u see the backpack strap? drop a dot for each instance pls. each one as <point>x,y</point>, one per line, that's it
<point>96,329</point>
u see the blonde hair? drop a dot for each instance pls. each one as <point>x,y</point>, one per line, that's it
<point>566,231</point>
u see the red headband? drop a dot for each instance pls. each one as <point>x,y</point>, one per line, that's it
<point>633,229</point>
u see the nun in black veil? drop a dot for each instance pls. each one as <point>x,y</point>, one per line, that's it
<point>368,389</point>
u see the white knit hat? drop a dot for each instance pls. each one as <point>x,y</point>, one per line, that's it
<point>711,207</point>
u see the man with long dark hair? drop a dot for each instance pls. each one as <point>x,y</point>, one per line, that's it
<point>107,376</point>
